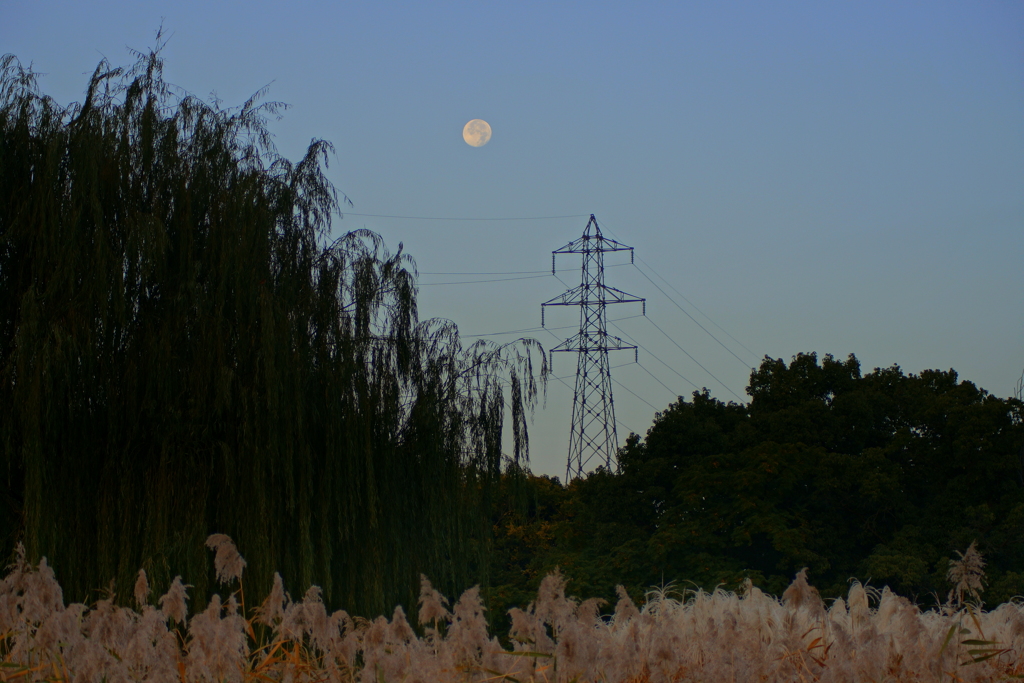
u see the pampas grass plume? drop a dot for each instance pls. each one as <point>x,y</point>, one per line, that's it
<point>967,576</point>
<point>695,636</point>
<point>174,603</point>
<point>141,590</point>
<point>227,562</point>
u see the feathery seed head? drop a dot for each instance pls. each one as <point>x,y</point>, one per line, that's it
<point>272,609</point>
<point>141,590</point>
<point>967,576</point>
<point>227,562</point>
<point>173,604</point>
<point>432,605</point>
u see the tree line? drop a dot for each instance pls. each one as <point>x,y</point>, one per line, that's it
<point>883,477</point>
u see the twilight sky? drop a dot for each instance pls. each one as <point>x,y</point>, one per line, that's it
<point>841,177</point>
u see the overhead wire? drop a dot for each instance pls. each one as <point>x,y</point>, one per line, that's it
<point>617,382</point>
<point>473,282</point>
<point>500,272</point>
<point>621,365</point>
<point>685,312</point>
<point>623,386</point>
<point>506,272</point>
<point>651,354</point>
<point>688,355</point>
<point>706,316</point>
<point>696,322</point>
<point>669,337</point>
<point>674,394</point>
<point>538,329</point>
<point>450,218</point>
<point>503,279</point>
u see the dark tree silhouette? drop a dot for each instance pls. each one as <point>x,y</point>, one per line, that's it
<point>183,351</point>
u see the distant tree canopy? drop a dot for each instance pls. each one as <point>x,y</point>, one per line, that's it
<point>882,476</point>
<point>183,352</point>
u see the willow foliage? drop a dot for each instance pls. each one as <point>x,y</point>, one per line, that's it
<point>183,352</point>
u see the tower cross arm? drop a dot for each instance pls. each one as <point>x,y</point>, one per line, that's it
<point>590,244</point>
<point>582,343</point>
<point>585,295</point>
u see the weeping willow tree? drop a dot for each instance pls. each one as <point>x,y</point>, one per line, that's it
<point>183,351</point>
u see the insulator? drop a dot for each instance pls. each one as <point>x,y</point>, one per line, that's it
<point>552,263</point>
<point>643,306</point>
<point>631,257</point>
<point>542,316</point>
<point>636,356</point>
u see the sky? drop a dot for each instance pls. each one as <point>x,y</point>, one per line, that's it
<point>840,177</point>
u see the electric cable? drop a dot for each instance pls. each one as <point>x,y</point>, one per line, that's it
<point>694,360</point>
<point>617,420</point>
<point>448,218</point>
<point>651,354</point>
<point>501,272</point>
<point>706,316</point>
<point>687,314</point>
<point>473,282</point>
<point>681,349</point>
<point>506,272</point>
<point>683,297</point>
<point>674,394</point>
<point>623,386</point>
<point>538,329</point>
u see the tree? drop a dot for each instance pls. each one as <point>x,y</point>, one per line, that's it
<point>184,351</point>
<point>881,476</point>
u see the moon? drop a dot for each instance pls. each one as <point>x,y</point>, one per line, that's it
<point>476,133</point>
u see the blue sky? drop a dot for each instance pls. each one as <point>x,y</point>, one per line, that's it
<point>841,177</point>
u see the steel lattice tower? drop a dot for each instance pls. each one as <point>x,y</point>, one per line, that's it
<point>593,435</point>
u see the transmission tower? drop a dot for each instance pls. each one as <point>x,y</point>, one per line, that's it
<point>593,436</point>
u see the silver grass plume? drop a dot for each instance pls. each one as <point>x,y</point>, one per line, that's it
<point>227,563</point>
<point>433,607</point>
<point>173,604</point>
<point>272,609</point>
<point>967,576</point>
<point>141,590</point>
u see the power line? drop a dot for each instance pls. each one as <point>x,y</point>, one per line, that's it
<point>683,350</point>
<point>683,297</point>
<point>674,394</point>
<point>473,282</point>
<point>651,354</point>
<point>685,312</point>
<point>621,365</point>
<point>628,428</point>
<point>502,272</point>
<point>706,316</point>
<point>449,218</point>
<point>538,329</point>
<point>508,272</point>
<point>623,386</point>
<point>669,337</point>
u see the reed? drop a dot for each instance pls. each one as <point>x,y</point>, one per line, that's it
<point>689,636</point>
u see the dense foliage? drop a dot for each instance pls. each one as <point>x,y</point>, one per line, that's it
<point>183,351</point>
<point>883,476</point>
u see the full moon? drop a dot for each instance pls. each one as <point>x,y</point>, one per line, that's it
<point>476,133</point>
